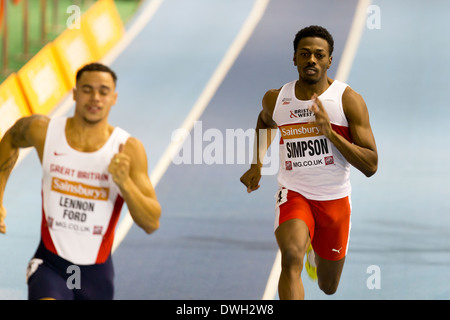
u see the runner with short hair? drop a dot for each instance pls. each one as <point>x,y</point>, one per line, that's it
<point>90,168</point>
<point>325,128</point>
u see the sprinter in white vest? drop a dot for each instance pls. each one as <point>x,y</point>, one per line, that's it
<point>325,128</point>
<point>90,169</point>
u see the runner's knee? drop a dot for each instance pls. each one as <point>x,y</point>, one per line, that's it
<point>328,287</point>
<point>292,258</point>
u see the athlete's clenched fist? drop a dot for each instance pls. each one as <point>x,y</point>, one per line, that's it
<point>119,167</point>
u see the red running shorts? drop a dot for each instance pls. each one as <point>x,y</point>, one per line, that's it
<point>328,221</point>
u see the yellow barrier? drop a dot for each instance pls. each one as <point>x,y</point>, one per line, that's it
<point>12,103</point>
<point>43,82</point>
<point>103,26</point>
<point>73,51</point>
<point>47,78</point>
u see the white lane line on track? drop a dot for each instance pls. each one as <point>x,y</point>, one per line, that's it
<point>200,105</point>
<point>345,65</point>
<point>354,37</point>
<point>143,19</point>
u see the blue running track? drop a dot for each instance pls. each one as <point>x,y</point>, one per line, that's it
<point>216,241</point>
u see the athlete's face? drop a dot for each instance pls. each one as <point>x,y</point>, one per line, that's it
<point>94,96</point>
<point>312,59</point>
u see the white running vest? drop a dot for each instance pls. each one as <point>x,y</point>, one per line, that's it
<point>309,163</point>
<point>81,203</point>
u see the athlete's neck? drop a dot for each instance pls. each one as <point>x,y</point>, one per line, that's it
<point>87,137</point>
<point>305,90</point>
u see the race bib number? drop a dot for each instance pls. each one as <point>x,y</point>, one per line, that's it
<point>305,146</point>
<point>281,196</point>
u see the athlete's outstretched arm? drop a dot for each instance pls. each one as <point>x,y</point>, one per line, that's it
<point>362,153</point>
<point>26,132</point>
<point>263,139</point>
<point>8,158</point>
<point>129,170</point>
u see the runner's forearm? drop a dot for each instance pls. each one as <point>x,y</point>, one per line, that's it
<point>264,136</point>
<point>145,210</point>
<point>8,158</point>
<point>363,159</point>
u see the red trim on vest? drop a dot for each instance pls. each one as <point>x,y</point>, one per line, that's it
<point>108,239</point>
<point>45,233</point>
<point>342,131</point>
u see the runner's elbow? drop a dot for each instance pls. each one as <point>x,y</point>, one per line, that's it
<point>149,229</point>
<point>371,170</point>
<point>151,225</point>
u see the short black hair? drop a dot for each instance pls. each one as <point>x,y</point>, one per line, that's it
<point>315,32</point>
<point>95,66</point>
